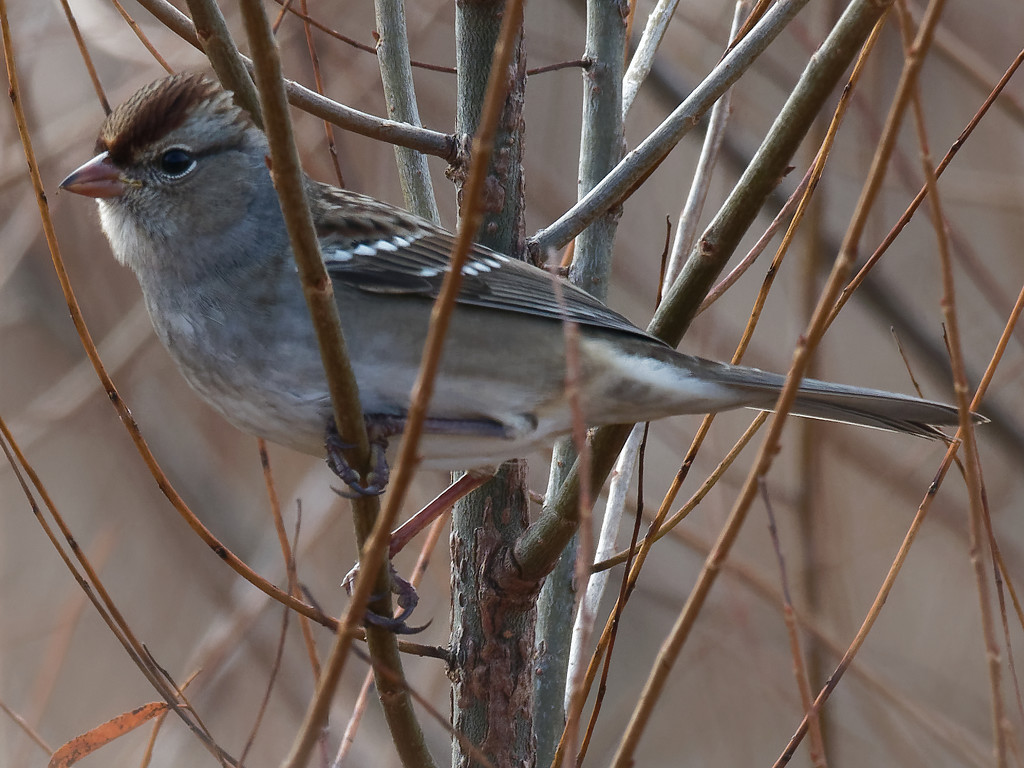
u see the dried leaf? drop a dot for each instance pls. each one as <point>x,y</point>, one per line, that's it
<point>103,734</point>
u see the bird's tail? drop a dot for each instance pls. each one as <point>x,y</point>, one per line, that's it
<point>846,404</point>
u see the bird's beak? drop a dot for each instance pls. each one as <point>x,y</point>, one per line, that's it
<point>97,178</point>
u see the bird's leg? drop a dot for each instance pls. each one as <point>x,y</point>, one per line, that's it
<point>379,428</point>
<point>404,591</point>
<point>378,432</point>
<point>405,596</point>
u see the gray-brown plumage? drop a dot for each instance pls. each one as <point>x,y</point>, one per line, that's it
<point>187,202</point>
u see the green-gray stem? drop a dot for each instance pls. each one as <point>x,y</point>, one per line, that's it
<point>601,147</point>
<point>400,96</point>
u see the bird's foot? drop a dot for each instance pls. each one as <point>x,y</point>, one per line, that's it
<point>406,598</point>
<point>376,480</point>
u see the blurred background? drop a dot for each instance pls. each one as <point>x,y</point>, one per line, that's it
<point>919,692</point>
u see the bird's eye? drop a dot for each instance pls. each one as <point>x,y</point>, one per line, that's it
<point>176,162</point>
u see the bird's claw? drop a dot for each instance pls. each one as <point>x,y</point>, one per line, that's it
<point>375,481</point>
<point>405,596</point>
<point>358,491</point>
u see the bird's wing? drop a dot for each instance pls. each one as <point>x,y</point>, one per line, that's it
<point>395,252</point>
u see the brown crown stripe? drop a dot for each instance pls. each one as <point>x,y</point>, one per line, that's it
<point>152,113</point>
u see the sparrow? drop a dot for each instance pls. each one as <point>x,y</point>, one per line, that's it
<point>188,204</point>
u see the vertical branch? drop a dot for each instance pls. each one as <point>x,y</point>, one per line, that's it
<point>477,26</point>
<point>601,148</point>
<point>602,142</point>
<point>971,459</point>
<point>400,95</point>
<point>348,416</point>
<point>811,531</point>
<point>492,623</point>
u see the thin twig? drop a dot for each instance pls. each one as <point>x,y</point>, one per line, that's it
<point>689,217</point>
<point>789,616</point>
<point>27,729</point>
<point>134,27</point>
<point>86,58</point>
<point>365,47</point>
<point>294,587</point>
<point>318,79</point>
<point>643,57</point>
<point>285,7</point>
<point>663,524</point>
<point>275,668</point>
<point>781,218</point>
<point>212,31</point>
<point>287,553</point>
<point>972,462</point>
<point>908,214</point>
<point>158,724</point>
<point>574,64</point>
